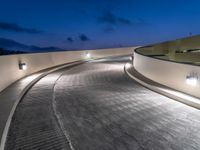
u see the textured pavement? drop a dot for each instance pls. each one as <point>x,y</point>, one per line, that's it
<point>95,106</point>
<point>9,96</point>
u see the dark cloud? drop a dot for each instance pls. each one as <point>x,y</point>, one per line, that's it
<point>109,29</point>
<point>84,38</point>
<point>109,18</point>
<point>16,28</point>
<point>111,22</point>
<point>70,40</point>
<point>141,23</point>
<point>124,21</point>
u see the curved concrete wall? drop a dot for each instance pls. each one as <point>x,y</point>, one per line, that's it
<point>9,69</point>
<point>168,73</point>
<point>175,50</point>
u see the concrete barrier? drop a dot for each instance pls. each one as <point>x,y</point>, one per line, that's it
<point>171,63</point>
<point>9,65</point>
<point>168,73</point>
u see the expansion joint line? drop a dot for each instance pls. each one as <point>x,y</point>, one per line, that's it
<point>58,117</point>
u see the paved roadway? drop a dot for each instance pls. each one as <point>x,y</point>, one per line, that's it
<point>95,106</point>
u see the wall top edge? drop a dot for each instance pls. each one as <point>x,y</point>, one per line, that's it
<point>65,51</point>
<point>164,60</point>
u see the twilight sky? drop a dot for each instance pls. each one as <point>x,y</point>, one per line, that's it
<point>89,24</point>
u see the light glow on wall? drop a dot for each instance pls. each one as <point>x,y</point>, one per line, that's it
<point>191,80</point>
<point>128,65</point>
<point>22,66</point>
<point>131,58</point>
<point>88,55</point>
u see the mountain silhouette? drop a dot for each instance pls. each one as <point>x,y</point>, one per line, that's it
<point>12,45</point>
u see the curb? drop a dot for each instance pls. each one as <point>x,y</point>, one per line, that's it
<point>23,93</point>
<point>166,91</point>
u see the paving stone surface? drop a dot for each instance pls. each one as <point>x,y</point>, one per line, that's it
<point>9,96</point>
<point>96,106</point>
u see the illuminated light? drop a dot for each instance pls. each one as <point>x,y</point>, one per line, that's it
<point>22,66</point>
<point>88,55</point>
<point>131,58</point>
<point>191,80</point>
<point>128,65</point>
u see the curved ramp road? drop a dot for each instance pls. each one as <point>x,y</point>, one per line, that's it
<point>95,106</point>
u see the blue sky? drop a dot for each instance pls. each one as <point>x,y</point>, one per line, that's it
<point>90,24</point>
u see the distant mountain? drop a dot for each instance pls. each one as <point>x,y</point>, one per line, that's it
<point>51,48</point>
<point>7,52</point>
<point>11,45</point>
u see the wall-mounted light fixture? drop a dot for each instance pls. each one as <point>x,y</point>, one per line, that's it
<point>87,55</point>
<point>192,79</point>
<point>131,58</point>
<point>22,66</point>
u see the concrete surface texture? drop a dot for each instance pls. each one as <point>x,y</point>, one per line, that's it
<point>10,98</point>
<point>168,73</point>
<point>9,65</point>
<point>160,88</point>
<point>95,106</point>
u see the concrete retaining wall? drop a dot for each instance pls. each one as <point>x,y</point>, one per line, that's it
<point>188,57</point>
<point>10,70</point>
<point>168,73</point>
